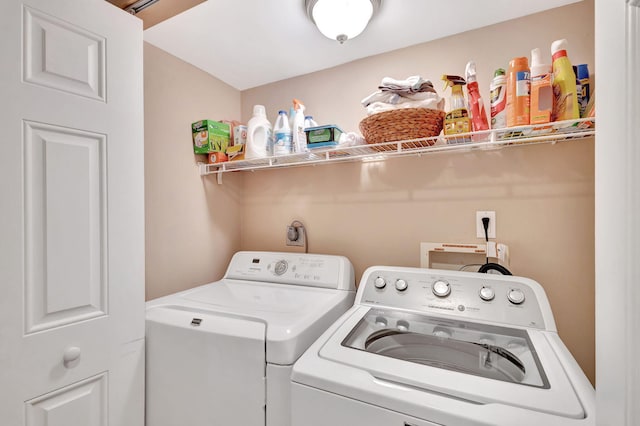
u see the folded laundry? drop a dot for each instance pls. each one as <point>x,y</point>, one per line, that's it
<point>410,84</point>
<point>412,92</point>
<point>414,84</point>
<point>380,96</point>
<point>434,102</point>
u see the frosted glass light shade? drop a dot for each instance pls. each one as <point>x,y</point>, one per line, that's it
<point>341,19</point>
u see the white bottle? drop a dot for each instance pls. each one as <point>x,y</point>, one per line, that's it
<point>292,115</point>
<point>282,135</point>
<point>498,90</point>
<point>299,136</point>
<point>259,135</point>
<point>309,122</point>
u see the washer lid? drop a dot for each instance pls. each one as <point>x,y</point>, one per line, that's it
<point>483,350</point>
<point>294,315</point>
<point>480,359</point>
<point>451,369</point>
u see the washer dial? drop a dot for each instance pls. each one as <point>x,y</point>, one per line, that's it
<point>441,288</point>
<point>401,285</point>
<point>380,283</point>
<point>515,296</point>
<point>280,267</point>
<point>487,293</point>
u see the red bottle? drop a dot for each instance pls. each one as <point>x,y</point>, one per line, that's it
<point>479,119</point>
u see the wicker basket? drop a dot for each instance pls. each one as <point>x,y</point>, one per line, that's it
<point>403,124</point>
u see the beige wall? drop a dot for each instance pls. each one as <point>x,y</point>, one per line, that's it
<point>378,213</point>
<point>192,223</point>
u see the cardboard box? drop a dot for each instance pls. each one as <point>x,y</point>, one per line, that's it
<point>210,136</point>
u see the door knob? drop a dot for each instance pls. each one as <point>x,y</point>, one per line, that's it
<point>71,356</point>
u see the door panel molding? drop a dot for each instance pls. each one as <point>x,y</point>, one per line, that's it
<point>65,226</point>
<point>85,401</point>
<point>63,56</point>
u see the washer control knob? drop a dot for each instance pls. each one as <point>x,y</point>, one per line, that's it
<point>401,285</point>
<point>380,283</point>
<point>515,296</point>
<point>487,293</point>
<point>441,288</point>
<point>281,267</point>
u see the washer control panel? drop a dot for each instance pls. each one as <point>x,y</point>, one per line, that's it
<point>497,298</point>
<point>314,270</point>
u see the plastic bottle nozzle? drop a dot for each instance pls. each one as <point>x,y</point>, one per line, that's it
<point>297,104</point>
<point>470,72</point>
<point>559,45</point>
<point>453,81</point>
<point>536,57</point>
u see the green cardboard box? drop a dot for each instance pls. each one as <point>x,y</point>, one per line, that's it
<point>210,136</point>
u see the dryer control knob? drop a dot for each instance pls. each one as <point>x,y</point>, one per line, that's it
<point>281,267</point>
<point>487,293</point>
<point>380,283</point>
<point>515,296</point>
<point>441,288</point>
<point>401,285</point>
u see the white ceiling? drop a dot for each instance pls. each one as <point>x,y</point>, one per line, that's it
<point>248,43</point>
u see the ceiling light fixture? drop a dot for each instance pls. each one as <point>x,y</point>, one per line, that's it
<point>341,19</point>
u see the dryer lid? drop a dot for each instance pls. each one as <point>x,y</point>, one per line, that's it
<point>294,315</point>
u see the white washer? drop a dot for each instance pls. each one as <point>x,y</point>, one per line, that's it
<point>222,353</point>
<point>433,347</point>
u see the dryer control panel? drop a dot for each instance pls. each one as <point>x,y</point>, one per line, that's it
<point>315,270</point>
<point>469,295</point>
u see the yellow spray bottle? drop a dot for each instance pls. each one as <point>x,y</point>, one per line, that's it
<point>457,118</point>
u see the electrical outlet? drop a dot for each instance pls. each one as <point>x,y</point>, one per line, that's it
<point>492,224</point>
<point>296,235</point>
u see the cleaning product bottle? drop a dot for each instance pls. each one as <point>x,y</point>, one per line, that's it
<point>565,104</point>
<point>457,119</point>
<point>583,77</point>
<point>476,105</point>
<point>292,115</point>
<point>498,90</point>
<point>299,137</point>
<point>282,135</point>
<point>309,122</point>
<point>541,90</point>
<point>259,135</point>
<point>518,92</point>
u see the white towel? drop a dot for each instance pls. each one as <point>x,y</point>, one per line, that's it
<point>435,102</point>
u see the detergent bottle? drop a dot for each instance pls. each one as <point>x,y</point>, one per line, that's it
<point>299,136</point>
<point>259,134</point>
<point>457,119</point>
<point>476,105</point>
<point>565,91</point>
<point>541,90</point>
<point>282,135</point>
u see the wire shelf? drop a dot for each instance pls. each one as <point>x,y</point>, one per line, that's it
<point>514,136</point>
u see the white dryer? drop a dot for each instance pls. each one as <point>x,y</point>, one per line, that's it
<point>222,353</point>
<point>432,347</point>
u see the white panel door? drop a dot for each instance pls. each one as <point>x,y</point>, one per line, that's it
<point>72,220</point>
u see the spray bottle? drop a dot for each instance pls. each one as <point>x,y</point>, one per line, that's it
<point>476,104</point>
<point>457,119</point>
<point>498,90</point>
<point>299,136</point>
